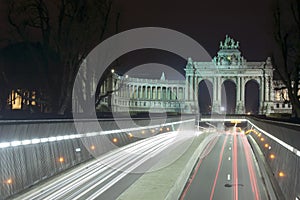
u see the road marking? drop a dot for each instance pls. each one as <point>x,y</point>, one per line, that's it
<point>235,169</point>
<point>228,177</point>
<point>218,169</point>
<point>229,148</point>
<point>229,158</point>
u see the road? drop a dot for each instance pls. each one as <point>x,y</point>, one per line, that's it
<point>228,171</point>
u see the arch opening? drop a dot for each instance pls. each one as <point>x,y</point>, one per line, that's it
<point>228,97</point>
<point>252,97</point>
<point>205,96</point>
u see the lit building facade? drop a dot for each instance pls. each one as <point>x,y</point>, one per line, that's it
<point>144,95</point>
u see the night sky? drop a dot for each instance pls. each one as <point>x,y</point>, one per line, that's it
<point>247,21</point>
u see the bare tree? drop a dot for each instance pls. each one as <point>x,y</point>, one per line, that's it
<point>287,35</point>
<point>67,27</point>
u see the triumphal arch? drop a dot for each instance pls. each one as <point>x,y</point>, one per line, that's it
<point>229,65</point>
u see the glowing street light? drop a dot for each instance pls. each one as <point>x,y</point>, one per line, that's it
<point>115,140</point>
<point>9,181</point>
<point>61,159</point>
<point>281,174</point>
<point>130,135</point>
<point>272,156</point>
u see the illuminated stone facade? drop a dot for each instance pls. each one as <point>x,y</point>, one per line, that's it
<point>141,95</point>
<point>230,65</point>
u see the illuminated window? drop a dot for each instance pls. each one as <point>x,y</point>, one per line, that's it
<point>33,96</point>
<point>277,96</point>
<point>16,101</point>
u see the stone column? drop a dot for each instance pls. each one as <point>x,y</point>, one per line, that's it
<point>196,89</point>
<point>186,88</point>
<point>243,94</point>
<point>191,96</point>
<point>215,90</point>
<point>215,106</point>
<point>238,96</point>
<point>239,89</point>
<point>242,89</point>
<point>267,93</point>
<point>128,91</point>
<point>136,88</point>
<point>220,89</point>
<point>261,95</point>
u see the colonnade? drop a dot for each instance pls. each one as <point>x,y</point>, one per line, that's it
<point>151,92</point>
<point>145,92</point>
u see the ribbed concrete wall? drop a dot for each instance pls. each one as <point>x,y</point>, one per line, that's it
<point>285,160</point>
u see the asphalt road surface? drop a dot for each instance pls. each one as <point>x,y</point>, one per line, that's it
<point>228,171</point>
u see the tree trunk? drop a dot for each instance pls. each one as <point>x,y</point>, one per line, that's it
<point>66,103</point>
<point>296,111</point>
<point>66,96</point>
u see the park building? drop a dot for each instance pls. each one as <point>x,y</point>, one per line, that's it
<point>144,95</point>
<point>281,99</point>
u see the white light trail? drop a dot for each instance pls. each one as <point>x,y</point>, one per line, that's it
<point>91,134</point>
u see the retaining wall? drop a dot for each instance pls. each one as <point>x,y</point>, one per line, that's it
<point>286,159</point>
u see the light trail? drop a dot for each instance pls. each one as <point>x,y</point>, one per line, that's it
<point>253,179</point>
<point>120,158</point>
<point>206,151</point>
<point>219,167</point>
<point>235,168</point>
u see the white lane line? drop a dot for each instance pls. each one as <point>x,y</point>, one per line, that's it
<point>228,177</point>
<point>229,158</point>
<point>229,148</point>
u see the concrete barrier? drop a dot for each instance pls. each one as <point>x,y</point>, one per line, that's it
<point>279,149</point>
